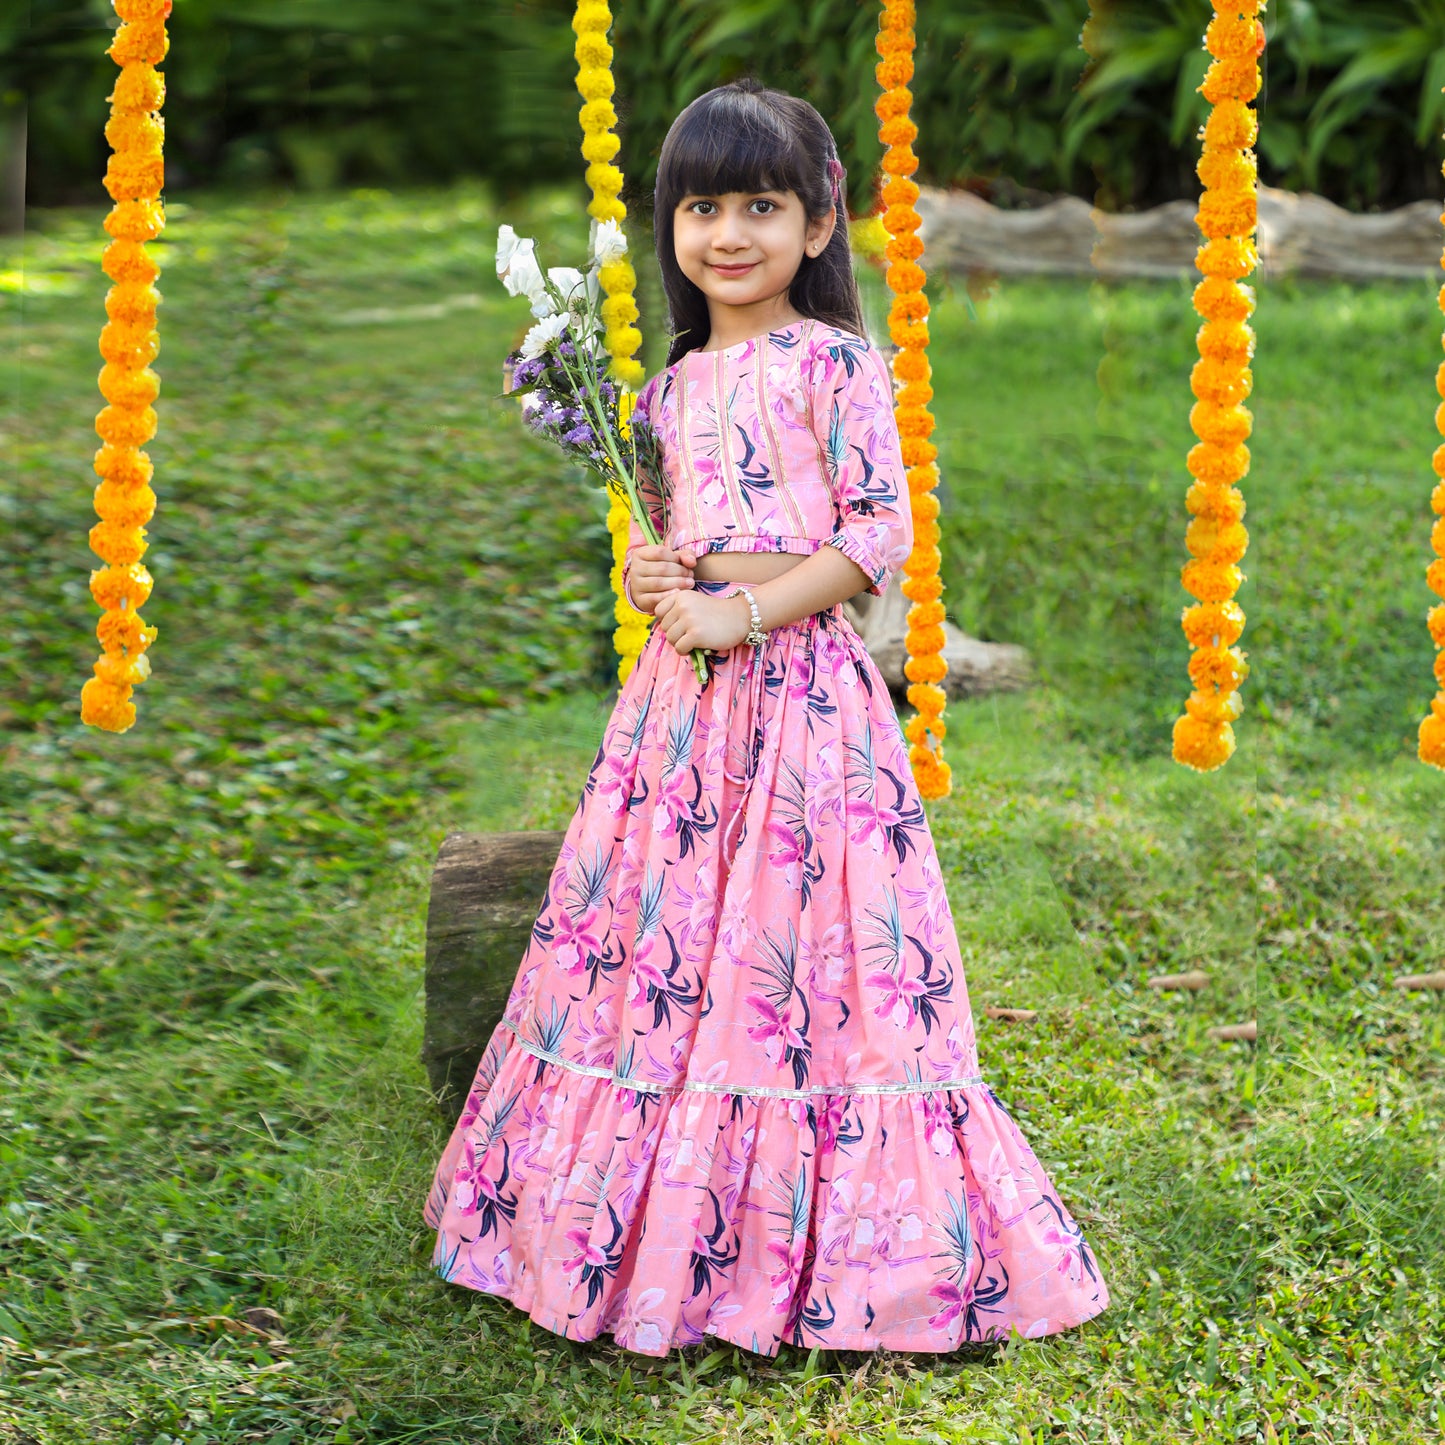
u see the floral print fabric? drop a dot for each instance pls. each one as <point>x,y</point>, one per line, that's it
<point>735,1091</point>
<point>783,443</point>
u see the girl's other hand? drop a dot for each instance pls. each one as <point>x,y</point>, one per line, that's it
<point>696,619</point>
<point>657,570</point>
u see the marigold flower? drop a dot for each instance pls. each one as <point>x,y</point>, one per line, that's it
<point>1231,80</point>
<point>1227,256</point>
<point>1232,125</point>
<point>140,40</point>
<point>105,706</point>
<point>125,387</point>
<point>138,87</point>
<point>1228,212</point>
<point>122,427</point>
<point>1224,503</point>
<point>1230,38</point>
<point>1217,298</point>
<point>122,669</point>
<point>142,9</point>
<point>124,506</point>
<point>922,589</point>
<point>135,131</point>
<point>1224,385</point>
<point>1229,343</point>
<point>129,261</point>
<point>1211,540</point>
<point>927,667</point>
<point>132,303</point>
<point>140,220</point>
<point>1210,581</point>
<point>116,544</point>
<point>124,466</point>
<point>1202,746</point>
<point>923,640</point>
<point>1217,667</point>
<point>130,176</point>
<point>1225,426</point>
<point>131,584</point>
<point>1227,168</point>
<point>1214,707</point>
<point>1218,466</point>
<point>1217,623</point>
<point>124,629</point>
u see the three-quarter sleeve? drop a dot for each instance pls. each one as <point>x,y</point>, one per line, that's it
<point>852,409</point>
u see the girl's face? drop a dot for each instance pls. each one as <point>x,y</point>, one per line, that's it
<point>743,249</point>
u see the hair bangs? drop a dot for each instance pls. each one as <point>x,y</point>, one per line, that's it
<point>709,160</point>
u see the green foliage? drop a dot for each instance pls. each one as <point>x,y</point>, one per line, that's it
<point>318,92</point>
<point>384,614</point>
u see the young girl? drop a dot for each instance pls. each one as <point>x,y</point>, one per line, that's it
<point>735,1091</point>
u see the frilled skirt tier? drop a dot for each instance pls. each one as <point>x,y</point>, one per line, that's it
<point>735,1091</point>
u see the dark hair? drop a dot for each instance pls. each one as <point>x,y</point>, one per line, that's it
<point>748,137</point>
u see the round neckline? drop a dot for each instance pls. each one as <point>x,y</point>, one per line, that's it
<point>738,345</point>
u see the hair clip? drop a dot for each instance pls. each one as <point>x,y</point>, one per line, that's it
<point>836,173</point>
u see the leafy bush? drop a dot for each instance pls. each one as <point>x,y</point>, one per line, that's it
<point>319,92</point>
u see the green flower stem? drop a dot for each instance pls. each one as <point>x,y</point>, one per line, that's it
<point>587,386</point>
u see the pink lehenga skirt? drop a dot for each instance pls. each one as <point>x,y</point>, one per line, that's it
<point>735,1091</point>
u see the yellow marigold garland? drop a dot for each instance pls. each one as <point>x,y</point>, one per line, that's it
<point>1431,744</point>
<point>926,666</point>
<point>1221,380</point>
<point>618,280</point>
<point>129,342</point>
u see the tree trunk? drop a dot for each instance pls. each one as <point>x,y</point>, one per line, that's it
<point>12,166</point>
<point>486,892</point>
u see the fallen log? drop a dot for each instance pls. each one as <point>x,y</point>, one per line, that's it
<point>486,892</point>
<point>975,668</point>
<point>1298,233</point>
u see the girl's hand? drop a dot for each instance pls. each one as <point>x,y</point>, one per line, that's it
<point>655,571</point>
<point>695,619</point>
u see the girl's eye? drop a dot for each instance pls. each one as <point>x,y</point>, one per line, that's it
<point>761,201</point>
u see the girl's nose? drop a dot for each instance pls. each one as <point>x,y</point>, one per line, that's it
<point>730,232</point>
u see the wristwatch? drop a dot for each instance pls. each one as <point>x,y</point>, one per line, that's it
<point>757,637</point>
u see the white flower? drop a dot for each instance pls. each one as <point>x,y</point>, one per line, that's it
<point>508,243</point>
<point>524,278</point>
<point>542,335</point>
<point>568,280</point>
<point>609,243</point>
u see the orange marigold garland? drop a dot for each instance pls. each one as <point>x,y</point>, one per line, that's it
<point>124,500</point>
<point>926,666</point>
<point>618,280</point>
<point>1216,538</point>
<point>1431,746</point>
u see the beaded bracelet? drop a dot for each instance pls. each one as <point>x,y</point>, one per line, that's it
<point>757,637</point>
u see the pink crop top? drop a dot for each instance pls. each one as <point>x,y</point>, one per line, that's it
<point>785,442</point>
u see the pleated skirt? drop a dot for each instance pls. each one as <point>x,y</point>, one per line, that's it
<point>735,1092</point>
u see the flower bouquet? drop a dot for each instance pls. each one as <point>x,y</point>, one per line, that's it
<point>559,373</point>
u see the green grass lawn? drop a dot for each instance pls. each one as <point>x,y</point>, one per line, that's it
<point>384,614</point>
